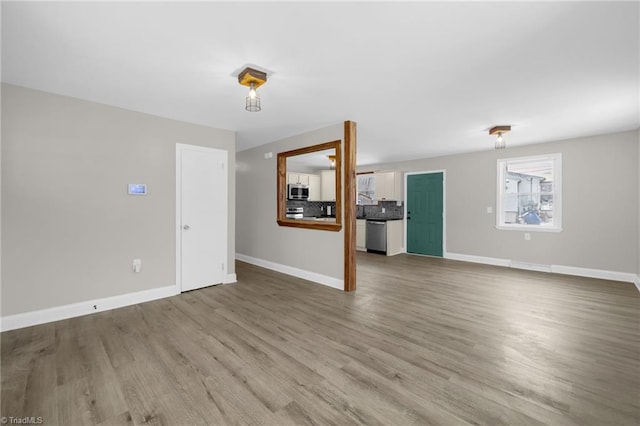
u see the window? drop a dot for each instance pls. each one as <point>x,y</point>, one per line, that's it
<point>366,191</point>
<point>529,193</point>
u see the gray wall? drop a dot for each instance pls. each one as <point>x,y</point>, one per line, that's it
<point>69,229</point>
<point>600,204</point>
<point>257,233</point>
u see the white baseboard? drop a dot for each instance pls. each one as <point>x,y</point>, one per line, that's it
<point>393,253</point>
<point>27,319</point>
<point>289,270</point>
<point>230,279</point>
<point>530,266</point>
<point>556,269</point>
<point>593,273</point>
<point>478,259</point>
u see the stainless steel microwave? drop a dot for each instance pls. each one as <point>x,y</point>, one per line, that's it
<point>296,191</point>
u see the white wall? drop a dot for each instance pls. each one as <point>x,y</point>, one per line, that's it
<point>69,229</point>
<point>257,233</point>
<point>600,204</point>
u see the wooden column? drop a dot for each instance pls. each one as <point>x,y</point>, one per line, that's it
<point>349,205</point>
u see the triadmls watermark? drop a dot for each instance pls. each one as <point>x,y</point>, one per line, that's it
<point>27,420</point>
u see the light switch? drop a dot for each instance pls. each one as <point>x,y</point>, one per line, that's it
<point>527,236</point>
<point>137,265</point>
<point>489,209</point>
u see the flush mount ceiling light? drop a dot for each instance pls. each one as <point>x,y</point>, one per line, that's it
<point>499,130</point>
<point>253,79</point>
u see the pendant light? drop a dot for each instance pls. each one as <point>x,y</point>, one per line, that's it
<point>253,79</point>
<point>500,130</point>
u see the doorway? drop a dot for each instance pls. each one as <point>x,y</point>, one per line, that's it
<point>201,216</point>
<point>425,213</point>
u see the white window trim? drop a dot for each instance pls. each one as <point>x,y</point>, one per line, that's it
<point>557,194</point>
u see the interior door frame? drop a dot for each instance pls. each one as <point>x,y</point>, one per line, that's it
<point>180,148</point>
<point>444,208</point>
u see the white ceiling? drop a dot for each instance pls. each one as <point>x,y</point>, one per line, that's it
<point>420,78</point>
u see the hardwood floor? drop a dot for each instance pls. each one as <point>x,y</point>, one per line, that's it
<point>422,341</point>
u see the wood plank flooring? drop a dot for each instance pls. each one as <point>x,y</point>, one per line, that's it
<point>422,341</point>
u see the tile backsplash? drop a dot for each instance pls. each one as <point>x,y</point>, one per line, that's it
<point>319,208</point>
<point>314,208</point>
<point>392,210</point>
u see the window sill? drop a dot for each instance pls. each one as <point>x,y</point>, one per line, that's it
<point>529,228</point>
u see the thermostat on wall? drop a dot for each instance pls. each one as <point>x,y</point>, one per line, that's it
<point>137,189</point>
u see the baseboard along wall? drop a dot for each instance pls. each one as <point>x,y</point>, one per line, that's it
<point>57,313</point>
<point>289,270</point>
<point>555,269</point>
<point>27,319</point>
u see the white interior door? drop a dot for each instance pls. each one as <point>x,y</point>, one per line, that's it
<point>201,213</point>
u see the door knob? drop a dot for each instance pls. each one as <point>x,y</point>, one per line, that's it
<point>186,227</point>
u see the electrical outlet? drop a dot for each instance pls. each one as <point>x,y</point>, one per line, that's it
<point>383,210</point>
<point>489,209</point>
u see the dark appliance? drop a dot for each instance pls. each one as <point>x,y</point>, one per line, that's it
<point>295,212</point>
<point>296,191</point>
<point>377,236</point>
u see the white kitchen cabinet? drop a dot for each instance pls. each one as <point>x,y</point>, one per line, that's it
<point>388,186</point>
<point>361,235</point>
<point>298,178</point>
<point>315,192</point>
<point>395,240</point>
<point>328,185</point>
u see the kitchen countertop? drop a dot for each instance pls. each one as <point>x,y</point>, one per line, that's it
<point>319,218</point>
<point>382,219</point>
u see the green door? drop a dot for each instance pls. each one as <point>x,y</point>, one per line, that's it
<point>424,214</point>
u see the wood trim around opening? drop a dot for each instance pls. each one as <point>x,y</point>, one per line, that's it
<point>349,224</point>
<point>282,188</point>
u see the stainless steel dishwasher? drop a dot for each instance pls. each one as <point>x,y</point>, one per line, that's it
<point>377,236</point>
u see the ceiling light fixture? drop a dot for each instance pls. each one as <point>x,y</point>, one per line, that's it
<point>500,143</point>
<point>332,160</point>
<point>253,79</point>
